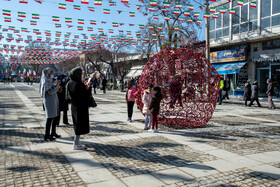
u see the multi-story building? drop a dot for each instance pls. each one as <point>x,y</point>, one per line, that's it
<point>246,45</point>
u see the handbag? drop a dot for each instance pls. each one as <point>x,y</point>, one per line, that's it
<point>92,102</point>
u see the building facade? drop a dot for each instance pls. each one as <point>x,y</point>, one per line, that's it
<point>246,45</point>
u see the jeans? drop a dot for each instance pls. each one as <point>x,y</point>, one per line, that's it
<point>77,139</point>
<point>220,96</point>
<point>148,118</point>
<point>130,105</point>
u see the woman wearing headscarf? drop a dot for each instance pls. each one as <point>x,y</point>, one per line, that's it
<point>77,93</point>
<point>63,103</point>
<point>48,90</point>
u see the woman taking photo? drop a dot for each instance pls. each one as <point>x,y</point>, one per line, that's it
<point>77,93</point>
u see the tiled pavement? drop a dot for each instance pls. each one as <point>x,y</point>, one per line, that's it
<point>238,147</point>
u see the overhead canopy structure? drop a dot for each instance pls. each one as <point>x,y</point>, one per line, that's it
<point>229,68</point>
<point>135,71</point>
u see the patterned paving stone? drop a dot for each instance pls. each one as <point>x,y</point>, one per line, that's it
<point>269,130</point>
<point>37,168</point>
<point>266,116</point>
<point>142,156</point>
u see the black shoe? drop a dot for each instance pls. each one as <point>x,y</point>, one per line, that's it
<point>66,123</point>
<point>49,137</point>
<point>56,135</point>
<point>249,105</point>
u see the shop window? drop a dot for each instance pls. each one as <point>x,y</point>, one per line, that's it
<point>219,33</point>
<point>265,22</point>
<point>275,44</point>
<point>212,35</point>
<point>265,8</point>
<point>244,13</point>
<point>276,7</point>
<point>253,13</point>
<point>219,22</point>
<point>253,25</point>
<point>225,20</point>
<point>226,31</point>
<point>212,24</point>
<point>235,29</point>
<point>236,16</point>
<point>276,20</point>
<point>244,27</point>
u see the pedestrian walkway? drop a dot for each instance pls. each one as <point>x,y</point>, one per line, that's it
<point>238,147</point>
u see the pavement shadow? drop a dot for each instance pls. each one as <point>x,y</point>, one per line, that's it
<point>264,175</point>
<point>22,169</point>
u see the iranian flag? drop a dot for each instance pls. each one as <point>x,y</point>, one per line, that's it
<point>55,18</point>
<point>24,29</point>
<point>166,18</point>
<point>97,2</point>
<point>190,7</point>
<point>69,1</point>
<point>181,19</point>
<point>141,27</point>
<point>7,19</point>
<point>35,16</point>
<point>23,1</point>
<point>240,2</point>
<point>153,3</point>
<point>91,9</point>
<point>36,31</point>
<point>100,30</point>
<point>177,12</point>
<point>253,4</point>
<point>39,38</point>
<point>190,20</point>
<point>206,15</point>
<point>162,35</point>
<point>111,31</point>
<point>76,36</point>
<point>33,22</point>
<point>85,1</point>
<point>92,22</point>
<point>232,11</point>
<point>212,9</point>
<point>223,10</point>
<point>177,5</point>
<point>187,13</point>
<point>196,14</point>
<point>154,39</point>
<point>80,28</point>
<point>81,21</point>
<point>138,34</point>
<point>106,11</point>
<point>11,28</point>
<point>128,32</point>
<point>57,25</point>
<point>138,7</point>
<point>68,20</point>
<point>115,24</point>
<point>112,3</point>
<point>125,1</point>
<point>39,1</point>
<point>215,16</point>
<point>69,26</point>
<point>47,32</point>
<point>147,39</point>
<point>159,28</point>
<point>90,29</point>
<point>166,4</point>
<point>62,6</point>
<point>176,28</point>
<point>155,16</point>
<point>77,7</point>
<point>151,9</point>
<point>154,35</point>
<point>131,14</point>
<point>151,27</point>
<point>199,21</point>
<point>22,14</point>
<point>214,0</point>
<point>6,12</point>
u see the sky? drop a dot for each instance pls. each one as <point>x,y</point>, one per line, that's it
<point>50,8</point>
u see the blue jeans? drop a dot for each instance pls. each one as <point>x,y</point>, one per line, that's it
<point>148,117</point>
<point>220,96</point>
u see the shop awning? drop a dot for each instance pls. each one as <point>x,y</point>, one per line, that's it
<point>229,68</point>
<point>130,74</point>
<point>135,71</point>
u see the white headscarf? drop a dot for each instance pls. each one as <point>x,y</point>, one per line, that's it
<point>46,82</point>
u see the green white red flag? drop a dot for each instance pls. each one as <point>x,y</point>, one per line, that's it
<point>223,10</point>
<point>92,22</point>
<point>166,18</point>
<point>90,29</point>
<point>62,6</point>
<point>190,7</point>
<point>77,7</point>
<point>151,9</point>
<point>81,21</point>
<point>151,27</point>
<point>199,21</point>
<point>97,2</point>
<point>35,16</point>
<point>153,3</point>
<point>181,19</point>
<point>112,3</point>
<point>253,4</point>
<point>206,15</point>
<point>33,22</point>
<point>187,13</point>
<point>232,11</point>
<point>80,28</point>
<point>6,19</point>
<point>106,11</point>
<point>68,20</point>
<point>166,4</point>
<point>85,1</point>
<point>115,24</point>
<point>6,12</point>
<point>176,12</point>
<point>23,1</point>
<point>159,28</point>
<point>141,27</point>
<point>55,18</point>
<point>212,9</point>
<point>240,2</point>
<point>196,14</point>
<point>155,16</point>
<point>91,9</point>
<point>131,14</point>
<point>22,14</point>
<point>177,5</point>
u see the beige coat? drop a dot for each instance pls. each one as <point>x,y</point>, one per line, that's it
<point>147,97</point>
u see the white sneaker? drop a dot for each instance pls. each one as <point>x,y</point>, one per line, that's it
<point>79,147</point>
<point>151,130</point>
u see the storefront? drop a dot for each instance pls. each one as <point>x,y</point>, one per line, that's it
<point>233,64</point>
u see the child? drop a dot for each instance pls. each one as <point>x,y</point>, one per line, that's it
<point>147,98</point>
<point>130,99</point>
<point>155,107</point>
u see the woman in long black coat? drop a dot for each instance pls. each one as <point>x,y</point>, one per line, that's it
<point>77,93</point>
<point>63,103</point>
<point>247,92</point>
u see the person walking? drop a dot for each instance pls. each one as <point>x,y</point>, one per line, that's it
<point>270,93</point>
<point>48,91</point>
<point>94,84</point>
<point>221,90</point>
<point>255,94</point>
<point>130,99</point>
<point>77,93</point>
<point>227,87</point>
<point>155,108</point>
<point>247,92</point>
<point>104,85</point>
<point>147,98</point>
<point>63,103</point>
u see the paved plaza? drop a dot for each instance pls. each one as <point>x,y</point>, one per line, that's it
<point>238,147</point>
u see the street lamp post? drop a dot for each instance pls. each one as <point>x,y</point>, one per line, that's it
<point>207,32</point>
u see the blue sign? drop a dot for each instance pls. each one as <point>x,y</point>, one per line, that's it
<point>228,55</point>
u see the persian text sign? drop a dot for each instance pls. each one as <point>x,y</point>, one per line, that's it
<point>228,55</point>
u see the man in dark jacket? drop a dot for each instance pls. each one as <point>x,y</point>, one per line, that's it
<point>270,93</point>
<point>255,94</point>
<point>227,87</point>
<point>104,84</point>
<point>247,92</point>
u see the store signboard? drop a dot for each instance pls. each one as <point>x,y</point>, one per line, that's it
<point>228,55</point>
